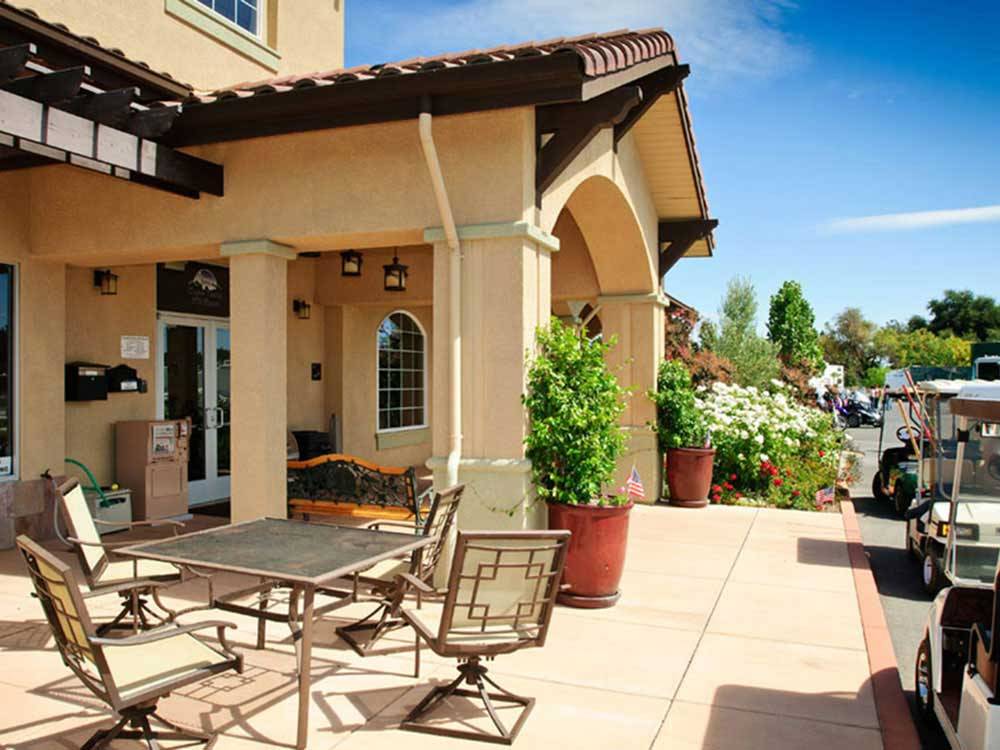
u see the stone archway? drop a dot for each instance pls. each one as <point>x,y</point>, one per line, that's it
<point>604,268</point>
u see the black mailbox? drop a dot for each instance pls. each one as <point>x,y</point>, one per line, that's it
<point>125,379</point>
<point>86,381</point>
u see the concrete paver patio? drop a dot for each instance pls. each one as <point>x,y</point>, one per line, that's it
<point>738,628</point>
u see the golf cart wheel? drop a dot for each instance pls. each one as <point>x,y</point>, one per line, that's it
<point>923,692</point>
<point>877,492</point>
<point>933,577</point>
<point>853,420</point>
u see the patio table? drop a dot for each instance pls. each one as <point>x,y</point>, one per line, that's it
<point>295,554</point>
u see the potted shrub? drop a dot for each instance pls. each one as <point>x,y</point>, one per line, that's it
<point>574,405</point>
<point>683,436</point>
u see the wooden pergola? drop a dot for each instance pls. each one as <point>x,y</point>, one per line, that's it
<point>66,100</point>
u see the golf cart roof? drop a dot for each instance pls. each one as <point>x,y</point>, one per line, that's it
<point>895,380</point>
<point>978,399</point>
<point>941,386</point>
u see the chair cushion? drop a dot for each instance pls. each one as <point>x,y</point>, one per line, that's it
<point>137,669</point>
<point>124,570</point>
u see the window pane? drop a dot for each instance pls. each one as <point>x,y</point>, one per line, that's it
<point>400,372</point>
<point>226,8</point>
<point>246,16</point>
<point>6,370</point>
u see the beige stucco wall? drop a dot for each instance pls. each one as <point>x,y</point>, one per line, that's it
<point>307,35</point>
<point>306,344</point>
<point>573,274</point>
<point>353,187</point>
<point>94,327</point>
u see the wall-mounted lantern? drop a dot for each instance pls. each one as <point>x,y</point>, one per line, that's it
<point>395,275</point>
<point>106,281</point>
<point>350,263</point>
<point>302,309</point>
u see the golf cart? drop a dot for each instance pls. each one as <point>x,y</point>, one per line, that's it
<point>927,533</point>
<point>958,661</point>
<point>897,475</point>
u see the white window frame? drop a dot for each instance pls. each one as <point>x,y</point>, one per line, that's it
<point>423,366</point>
<point>260,32</point>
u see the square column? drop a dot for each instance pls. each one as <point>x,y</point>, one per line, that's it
<point>259,379</point>
<point>506,295</point>
<point>637,322</point>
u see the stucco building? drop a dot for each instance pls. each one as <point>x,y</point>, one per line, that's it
<point>547,178</point>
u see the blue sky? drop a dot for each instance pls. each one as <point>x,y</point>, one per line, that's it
<point>810,118</point>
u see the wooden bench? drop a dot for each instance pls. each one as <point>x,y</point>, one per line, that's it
<point>342,485</point>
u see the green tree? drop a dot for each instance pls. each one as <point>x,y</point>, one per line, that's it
<point>874,377</point>
<point>849,341</point>
<point>791,328</point>
<point>921,347</point>
<point>965,314</point>
<point>754,358</point>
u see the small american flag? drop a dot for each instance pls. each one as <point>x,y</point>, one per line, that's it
<point>824,497</point>
<point>633,487</point>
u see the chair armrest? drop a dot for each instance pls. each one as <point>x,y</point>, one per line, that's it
<point>102,545</point>
<point>175,525</point>
<point>135,583</point>
<point>160,634</point>
<point>405,581</point>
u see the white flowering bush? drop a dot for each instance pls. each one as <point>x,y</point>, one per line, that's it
<point>770,449</point>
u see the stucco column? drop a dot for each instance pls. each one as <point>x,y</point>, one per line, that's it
<point>636,320</point>
<point>258,311</point>
<point>506,295</point>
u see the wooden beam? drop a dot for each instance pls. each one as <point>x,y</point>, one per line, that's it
<point>49,88</point>
<point>108,108</point>
<point>62,137</point>
<point>61,49</point>
<point>573,126</point>
<point>13,59</point>
<point>153,122</point>
<point>653,87</point>
<point>679,236</point>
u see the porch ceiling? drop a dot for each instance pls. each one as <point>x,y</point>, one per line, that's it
<point>666,145</point>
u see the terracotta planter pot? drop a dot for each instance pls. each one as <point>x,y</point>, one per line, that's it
<point>596,556</point>
<point>689,476</point>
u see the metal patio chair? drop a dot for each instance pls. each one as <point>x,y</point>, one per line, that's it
<point>131,674</point>
<point>501,592</point>
<point>103,572</point>
<point>382,578</point>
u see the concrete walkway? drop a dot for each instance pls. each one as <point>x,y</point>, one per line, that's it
<point>738,628</point>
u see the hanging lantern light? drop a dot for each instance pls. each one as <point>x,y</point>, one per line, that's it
<point>350,263</point>
<point>395,275</point>
<point>106,281</point>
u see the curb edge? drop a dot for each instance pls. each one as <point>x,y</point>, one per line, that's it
<point>891,706</point>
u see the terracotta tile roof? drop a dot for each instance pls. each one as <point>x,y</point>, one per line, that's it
<point>600,54</point>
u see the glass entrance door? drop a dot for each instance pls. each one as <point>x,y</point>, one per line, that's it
<point>194,383</point>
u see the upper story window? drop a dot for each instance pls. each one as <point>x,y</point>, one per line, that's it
<point>244,13</point>
<point>401,373</point>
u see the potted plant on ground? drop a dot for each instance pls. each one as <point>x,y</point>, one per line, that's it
<point>683,436</point>
<point>574,404</point>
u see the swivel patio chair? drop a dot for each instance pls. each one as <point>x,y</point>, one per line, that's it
<point>130,674</point>
<point>382,578</point>
<point>103,572</point>
<point>501,592</point>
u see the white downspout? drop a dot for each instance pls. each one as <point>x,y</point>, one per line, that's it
<point>454,294</point>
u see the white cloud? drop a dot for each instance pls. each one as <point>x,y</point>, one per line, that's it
<point>722,39</point>
<point>914,220</point>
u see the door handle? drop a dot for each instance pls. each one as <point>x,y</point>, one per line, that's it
<point>220,419</point>
<point>211,418</point>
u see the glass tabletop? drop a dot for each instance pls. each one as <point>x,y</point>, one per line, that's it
<point>281,549</point>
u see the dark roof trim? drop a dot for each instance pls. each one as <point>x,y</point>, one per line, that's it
<point>678,236</point>
<point>62,49</point>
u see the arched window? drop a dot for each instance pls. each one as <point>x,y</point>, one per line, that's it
<point>401,373</point>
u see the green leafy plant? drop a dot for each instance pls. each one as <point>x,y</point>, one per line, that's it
<point>574,405</point>
<point>754,359</point>
<point>791,327</point>
<point>679,422</point>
